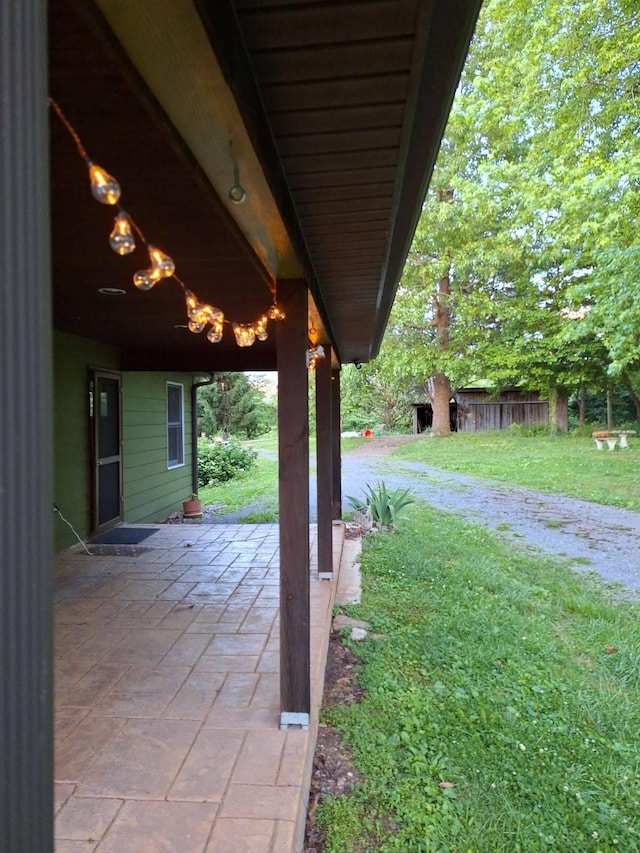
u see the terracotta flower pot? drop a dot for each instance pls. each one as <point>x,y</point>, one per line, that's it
<point>192,508</point>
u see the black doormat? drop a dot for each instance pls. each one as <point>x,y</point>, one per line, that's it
<point>123,536</point>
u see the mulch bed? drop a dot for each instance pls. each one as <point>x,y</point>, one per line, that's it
<point>334,774</point>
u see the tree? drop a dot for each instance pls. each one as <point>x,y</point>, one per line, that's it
<point>374,394</point>
<point>233,405</point>
<point>531,211</point>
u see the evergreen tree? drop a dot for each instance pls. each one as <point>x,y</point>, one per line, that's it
<point>233,406</point>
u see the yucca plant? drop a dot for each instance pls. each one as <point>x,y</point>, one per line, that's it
<point>385,505</point>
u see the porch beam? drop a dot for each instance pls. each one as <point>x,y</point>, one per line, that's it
<point>293,485</point>
<point>324,465</point>
<point>336,451</point>
<point>26,713</point>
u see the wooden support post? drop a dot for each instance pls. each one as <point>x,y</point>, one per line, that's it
<point>26,465</point>
<point>324,465</point>
<point>293,450</point>
<point>336,454</point>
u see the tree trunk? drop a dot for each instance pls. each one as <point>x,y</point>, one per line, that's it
<point>441,427</point>
<point>562,414</point>
<point>440,384</point>
<point>582,405</point>
<point>634,396</point>
<point>553,409</point>
<point>558,411</point>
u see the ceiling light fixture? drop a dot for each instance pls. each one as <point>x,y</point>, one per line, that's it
<point>112,291</point>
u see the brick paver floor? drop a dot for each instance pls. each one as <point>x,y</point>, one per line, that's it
<point>167,696</point>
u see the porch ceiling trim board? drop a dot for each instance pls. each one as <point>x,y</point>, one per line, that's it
<point>223,29</point>
<point>441,52</point>
<point>340,113</point>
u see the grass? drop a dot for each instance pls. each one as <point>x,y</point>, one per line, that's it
<point>501,708</point>
<point>258,485</point>
<point>567,465</point>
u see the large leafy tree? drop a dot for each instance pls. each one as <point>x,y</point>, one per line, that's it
<point>524,268</point>
<point>375,394</point>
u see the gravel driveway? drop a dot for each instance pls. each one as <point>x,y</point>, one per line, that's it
<point>590,536</point>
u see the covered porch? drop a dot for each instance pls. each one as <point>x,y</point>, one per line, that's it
<point>167,694</point>
<point>279,153</point>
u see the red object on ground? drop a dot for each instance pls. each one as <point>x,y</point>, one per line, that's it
<point>367,433</point>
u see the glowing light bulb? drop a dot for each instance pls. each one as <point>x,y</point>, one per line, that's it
<point>146,279</point>
<point>245,334</point>
<point>161,262</point>
<point>121,238</point>
<point>196,327</point>
<point>192,302</point>
<point>261,329</point>
<point>214,335</point>
<point>275,312</point>
<point>104,188</point>
<point>208,312</point>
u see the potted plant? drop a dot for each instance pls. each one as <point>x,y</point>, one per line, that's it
<point>192,508</point>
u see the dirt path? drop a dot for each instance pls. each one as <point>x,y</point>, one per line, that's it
<point>589,536</point>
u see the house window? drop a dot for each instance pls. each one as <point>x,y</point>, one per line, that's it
<point>175,426</point>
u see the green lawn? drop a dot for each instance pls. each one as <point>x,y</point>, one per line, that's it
<point>564,464</point>
<point>502,705</point>
<point>258,485</point>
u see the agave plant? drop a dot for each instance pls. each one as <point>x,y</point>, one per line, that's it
<point>385,505</point>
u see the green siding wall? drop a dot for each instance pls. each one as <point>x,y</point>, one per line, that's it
<point>74,357</point>
<point>151,490</point>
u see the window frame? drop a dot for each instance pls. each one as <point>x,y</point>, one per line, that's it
<point>175,426</point>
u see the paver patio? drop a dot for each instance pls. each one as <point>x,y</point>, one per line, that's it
<point>167,695</point>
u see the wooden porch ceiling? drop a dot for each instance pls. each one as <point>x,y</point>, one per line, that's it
<point>343,103</point>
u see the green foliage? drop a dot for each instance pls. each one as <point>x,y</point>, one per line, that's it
<point>234,406</point>
<point>256,487</point>
<point>500,707</point>
<point>374,395</point>
<point>528,430</point>
<point>222,461</point>
<point>530,217</point>
<point>385,505</point>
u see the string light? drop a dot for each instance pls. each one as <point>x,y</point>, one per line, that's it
<point>275,312</point>
<point>313,354</point>
<point>245,334</point>
<point>160,262</point>
<point>121,238</point>
<point>106,189</point>
<point>146,279</point>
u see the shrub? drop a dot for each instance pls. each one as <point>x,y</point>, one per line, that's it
<point>529,430</point>
<point>220,462</point>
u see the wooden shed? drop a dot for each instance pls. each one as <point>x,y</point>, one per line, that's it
<point>482,410</point>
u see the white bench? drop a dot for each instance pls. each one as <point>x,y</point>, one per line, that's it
<point>623,433</point>
<point>602,438</point>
